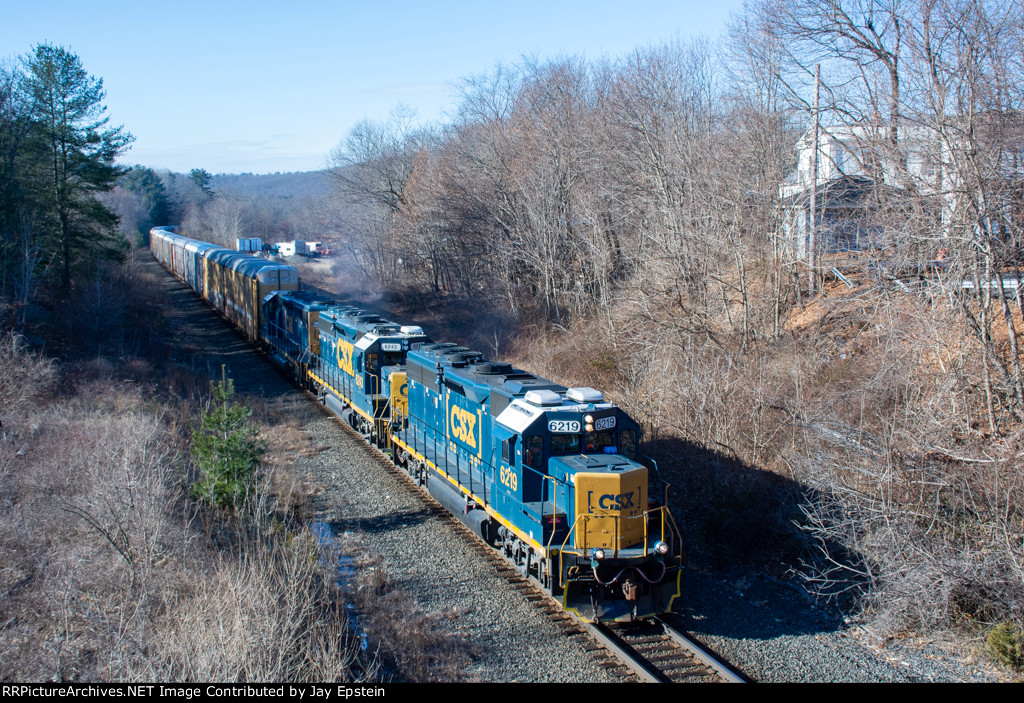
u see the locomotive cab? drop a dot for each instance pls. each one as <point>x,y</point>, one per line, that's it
<point>612,557</point>
<point>358,353</point>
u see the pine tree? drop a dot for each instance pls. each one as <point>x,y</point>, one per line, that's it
<point>225,447</point>
<point>146,185</point>
<point>76,151</point>
<point>202,178</point>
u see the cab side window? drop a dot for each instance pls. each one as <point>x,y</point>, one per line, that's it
<point>627,443</point>
<point>534,451</point>
<point>508,450</point>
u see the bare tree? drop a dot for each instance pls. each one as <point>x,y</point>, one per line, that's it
<point>377,158</point>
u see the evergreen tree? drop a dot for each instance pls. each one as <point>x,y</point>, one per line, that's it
<point>146,185</point>
<point>76,154</point>
<point>202,178</point>
<point>225,447</point>
<point>18,206</point>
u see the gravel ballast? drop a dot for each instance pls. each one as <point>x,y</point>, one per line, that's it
<point>773,633</point>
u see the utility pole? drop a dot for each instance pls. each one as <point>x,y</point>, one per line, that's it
<point>812,220</point>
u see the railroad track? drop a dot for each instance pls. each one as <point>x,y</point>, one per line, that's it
<point>652,651</point>
<point>656,652</point>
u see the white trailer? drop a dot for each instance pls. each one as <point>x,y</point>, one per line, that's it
<point>249,244</point>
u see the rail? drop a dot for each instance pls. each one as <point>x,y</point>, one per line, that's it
<point>665,656</point>
<point>705,655</point>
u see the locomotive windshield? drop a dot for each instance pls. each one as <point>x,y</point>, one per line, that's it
<point>562,444</point>
<point>596,442</point>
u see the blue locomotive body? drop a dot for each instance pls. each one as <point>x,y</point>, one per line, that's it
<point>545,473</point>
<point>352,371</point>
<point>290,326</point>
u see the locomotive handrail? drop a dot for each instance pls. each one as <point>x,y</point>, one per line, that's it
<point>554,507</point>
<point>665,484</point>
<point>673,529</point>
<point>378,410</point>
<point>572,529</point>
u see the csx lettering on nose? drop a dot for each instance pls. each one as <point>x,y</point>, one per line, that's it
<point>464,426</point>
<point>621,501</point>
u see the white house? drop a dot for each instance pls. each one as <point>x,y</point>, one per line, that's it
<point>298,247</point>
<point>854,163</point>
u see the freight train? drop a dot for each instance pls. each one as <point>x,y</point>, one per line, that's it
<point>550,476</point>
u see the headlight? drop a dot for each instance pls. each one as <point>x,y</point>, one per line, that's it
<point>661,548</point>
<point>588,419</point>
<point>599,554</point>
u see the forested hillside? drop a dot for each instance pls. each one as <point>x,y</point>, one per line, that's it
<point>273,185</point>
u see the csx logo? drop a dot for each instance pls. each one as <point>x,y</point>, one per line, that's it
<point>345,357</point>
<point>463,426</point>
<point>611,501</point>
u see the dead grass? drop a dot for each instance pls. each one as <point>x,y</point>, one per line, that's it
<point>286,441</point>
<point>267,611</point>
<point>110,573</point>
<point>25,379</point>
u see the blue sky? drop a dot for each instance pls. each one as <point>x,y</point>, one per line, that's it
<point>254,86</point>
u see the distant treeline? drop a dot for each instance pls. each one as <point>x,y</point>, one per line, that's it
<point>307,184</point>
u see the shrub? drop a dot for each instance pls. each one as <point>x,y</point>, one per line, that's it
<point>25,377</point>
<point>1005,643</point>
<point>225,447</point>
